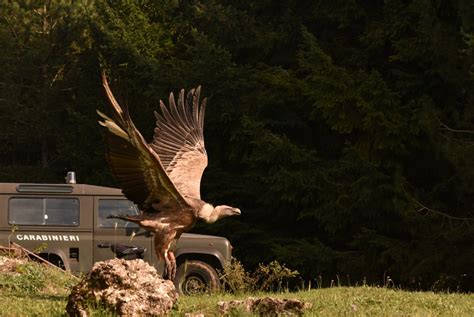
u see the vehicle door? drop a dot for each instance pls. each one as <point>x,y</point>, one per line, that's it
<point>108,232</point>
<point>54,227</point>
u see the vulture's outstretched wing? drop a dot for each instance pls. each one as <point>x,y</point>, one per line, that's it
<point>136,166</point>
<point>179,141</point>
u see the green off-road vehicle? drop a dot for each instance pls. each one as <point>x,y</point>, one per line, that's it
<point>68,224</point>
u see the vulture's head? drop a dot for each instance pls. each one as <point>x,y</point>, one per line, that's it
<point>211,214</point>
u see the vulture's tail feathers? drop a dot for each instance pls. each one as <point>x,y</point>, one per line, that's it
<point>133,218</point>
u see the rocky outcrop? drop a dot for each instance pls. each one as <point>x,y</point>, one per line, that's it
<point>266,306</point>
<point>130,288</point>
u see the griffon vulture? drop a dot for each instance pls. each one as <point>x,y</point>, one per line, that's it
<point>163,178</point>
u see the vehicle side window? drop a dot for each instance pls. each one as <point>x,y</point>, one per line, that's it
<point>44,211</point>
<point>116,207</point>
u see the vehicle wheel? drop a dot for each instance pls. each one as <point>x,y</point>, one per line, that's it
<point>195,277</point>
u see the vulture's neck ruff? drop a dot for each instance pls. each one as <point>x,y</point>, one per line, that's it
<point>211,214</point>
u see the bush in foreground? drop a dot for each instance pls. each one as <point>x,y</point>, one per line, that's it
<point>266,277</point>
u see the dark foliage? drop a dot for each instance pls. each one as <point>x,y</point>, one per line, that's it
<point>343,129</point>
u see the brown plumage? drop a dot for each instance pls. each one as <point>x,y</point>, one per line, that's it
<point>163,178</point>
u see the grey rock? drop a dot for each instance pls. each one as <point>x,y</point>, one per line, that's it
<point>266,306</point>
<point>131,288</point>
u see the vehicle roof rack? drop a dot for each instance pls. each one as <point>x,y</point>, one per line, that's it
<point>44,188</point>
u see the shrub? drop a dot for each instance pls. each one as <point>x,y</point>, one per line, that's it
<point>270,277</point>
<point>266,277</point>
<point>234,277</point>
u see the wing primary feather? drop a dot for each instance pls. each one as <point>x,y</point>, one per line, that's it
<point>164,126</point>
<point>169,121</point>
<point>158,116</point>
<point>202,112</point>
<point>174,111</point>
<point>118,112</point>
<point>187,108</point>
<point>197,94</point>
<point>179,118</point>
<point>166,113</point>
<point>171,140</point>
<point>172,116</point>
<point>171,134</point>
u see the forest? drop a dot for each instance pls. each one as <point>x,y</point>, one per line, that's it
<point>343,130</point>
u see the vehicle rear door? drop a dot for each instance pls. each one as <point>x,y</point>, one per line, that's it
<point>109,232</point>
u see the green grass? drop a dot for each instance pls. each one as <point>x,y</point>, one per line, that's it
<point>353,301</point>
<point>40,291</point>
<point>34,290</point>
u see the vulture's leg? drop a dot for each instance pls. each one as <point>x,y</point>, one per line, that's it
<point>163,243</point>
<point>167,274</point>
<point>161,251</point>
<point>172,260</point>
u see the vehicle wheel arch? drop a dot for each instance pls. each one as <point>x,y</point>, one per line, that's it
<point>55,257</point>
<point>209,258</point>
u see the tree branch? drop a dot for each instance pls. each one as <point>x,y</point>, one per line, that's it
<point>440,213</point>
<point>456,140</point>
<point>445,127</point>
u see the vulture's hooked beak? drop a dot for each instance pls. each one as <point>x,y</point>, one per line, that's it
<point>236,211</point>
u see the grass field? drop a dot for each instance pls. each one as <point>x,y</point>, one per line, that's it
<point>37,291</point>
<point>354,301</point>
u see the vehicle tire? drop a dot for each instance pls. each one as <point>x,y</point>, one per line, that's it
<point>196,277</point>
